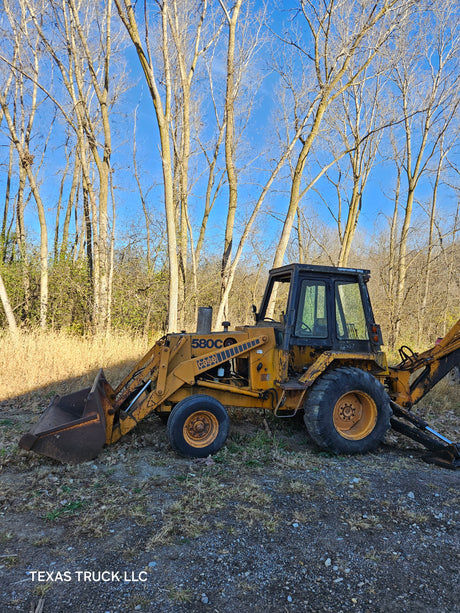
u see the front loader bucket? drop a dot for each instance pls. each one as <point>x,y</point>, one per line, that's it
<point>72,428</point>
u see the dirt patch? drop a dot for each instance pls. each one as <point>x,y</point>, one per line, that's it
<point>269,524</point>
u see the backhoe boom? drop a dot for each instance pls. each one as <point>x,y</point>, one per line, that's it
<point>417,374</point>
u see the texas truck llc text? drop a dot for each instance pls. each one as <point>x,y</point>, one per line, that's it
<point>105,576</point>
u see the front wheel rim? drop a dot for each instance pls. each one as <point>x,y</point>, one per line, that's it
<point>355,415</point>
<point>201,429</point>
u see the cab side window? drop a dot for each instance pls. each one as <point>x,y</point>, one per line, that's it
<point>277,300</point>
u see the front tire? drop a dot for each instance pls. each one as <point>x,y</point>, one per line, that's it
<point>198,426</point>
<point>347,411</point>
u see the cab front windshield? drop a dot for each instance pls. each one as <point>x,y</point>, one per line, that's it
<point>311,321</point>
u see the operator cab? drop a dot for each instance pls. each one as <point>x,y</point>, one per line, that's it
<point>322,307</point>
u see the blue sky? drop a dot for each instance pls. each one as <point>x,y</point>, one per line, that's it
<point>377,201</point>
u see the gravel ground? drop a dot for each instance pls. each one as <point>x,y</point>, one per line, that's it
<point>268,525</point>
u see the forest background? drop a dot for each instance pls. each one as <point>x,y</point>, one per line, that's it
<point>160,155</point>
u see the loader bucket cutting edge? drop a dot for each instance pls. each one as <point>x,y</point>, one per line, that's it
<point>72,428</point>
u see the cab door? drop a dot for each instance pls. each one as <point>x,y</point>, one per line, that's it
<point>313,313</point>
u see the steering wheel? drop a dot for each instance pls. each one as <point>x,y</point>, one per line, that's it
<point>304,327</point>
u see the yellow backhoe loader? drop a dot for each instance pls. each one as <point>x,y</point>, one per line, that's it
<point>314,348</point>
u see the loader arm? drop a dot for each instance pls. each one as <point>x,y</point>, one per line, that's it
<point>417,374</point>
<point>169,381</point>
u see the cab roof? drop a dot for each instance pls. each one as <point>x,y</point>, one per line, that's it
<point>319,269</point>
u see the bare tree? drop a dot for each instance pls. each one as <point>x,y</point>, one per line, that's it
<point>432,246</point>
<point>169,84</point>
<point>232,17</point>
<point>189,46</point>
<point>237,71</point>
<point>358,122</point>
<point>20,133</point>
<point>85,69</point>
<point>427,79</point>
<point>346,37</point>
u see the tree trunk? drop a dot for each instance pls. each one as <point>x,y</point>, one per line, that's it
<point>392,265</point>
<point>127,15</point>
<point>70,206</point>
<point>296,183</point>
<point>423,329</point>
<point>232,179</point>
<point>4,236</point>
<point>7,307</point>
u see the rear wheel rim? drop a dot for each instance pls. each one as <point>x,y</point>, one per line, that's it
<point>201,429</point>
<point>355,415</point>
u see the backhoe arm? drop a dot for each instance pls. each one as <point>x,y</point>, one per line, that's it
<point>417,373</point>
<point>414,377</point>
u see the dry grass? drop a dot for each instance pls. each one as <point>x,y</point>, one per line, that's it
<point>254,516</point>
<point>443,397</point>
<point>54,361</point>
<point>363,522</point>
<point>441,408</point>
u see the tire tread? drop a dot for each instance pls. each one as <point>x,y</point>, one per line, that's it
<point>320,403</point>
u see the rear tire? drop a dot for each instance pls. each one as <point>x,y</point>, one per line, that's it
<point>347,411</point>
<point>198,426</point>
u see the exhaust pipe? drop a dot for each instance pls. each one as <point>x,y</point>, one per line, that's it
<point>204,320</point>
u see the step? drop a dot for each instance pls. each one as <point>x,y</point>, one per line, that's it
<point>293,384</point>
